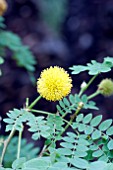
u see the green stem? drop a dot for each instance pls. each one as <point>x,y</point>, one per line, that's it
<point>27,102</point>
<point>43,150</point>
<point>94,94</point>
<point>66,127</point>
<point>34,102</point>
<point>19,143</point>
<point>6,142</point>
<point>80,107</point>
<point>41,111</point>
<point>64,115</point>
<point>89,83</point>
<point>46,113</point>
<point>72,118</point>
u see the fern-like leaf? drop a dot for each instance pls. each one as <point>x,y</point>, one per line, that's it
<point>94,67</point>
<point>68,105</point>
<point>21,53</point>
<point>101,144</point>
<point>38,126</point>
<point>15,119</point>
<point>11,152</point>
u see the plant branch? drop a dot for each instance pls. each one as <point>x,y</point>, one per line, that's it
<point>6,142</point>
<point>41,111</point>
<point>88,84</point>
<point>94,95</point>
<point>43,150</point>
<point>34,102</point>
<point>73,117</point>
<point>46,113</point>
<point>19,143</point>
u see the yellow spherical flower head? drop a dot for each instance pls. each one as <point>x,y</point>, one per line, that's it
<point>106,87</point>
<point>3,7</point>
<point>54,83</point>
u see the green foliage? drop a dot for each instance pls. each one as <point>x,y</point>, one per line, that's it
<point>53,19</point>
<point>16,119</point>
<point>38,126</point>
<point>20,53</point>
<point>2,25</point>
<point>45,127</point>
<point>1,62</point>
<point>94,67</point>
<point>46,164</point>
<point>55,124</point>
<point>84,142</point>
<point>96,133</point>
<point>28,150</point>
<point>69,105</point>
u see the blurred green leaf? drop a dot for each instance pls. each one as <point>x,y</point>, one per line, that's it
<point>53,12</point>
<point>21,53</point>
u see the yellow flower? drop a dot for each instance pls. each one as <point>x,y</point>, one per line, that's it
<point>106,87</point>
<point>54,83</point>
<point>3,7</point>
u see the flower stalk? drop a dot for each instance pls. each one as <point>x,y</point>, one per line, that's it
<point>34,102</point>
<point>94,94</point>
<point>88,84</point>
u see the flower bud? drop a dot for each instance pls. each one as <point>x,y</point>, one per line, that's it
<point>83,85</point>
<point>106,87</point>
<point>3,7</point>
<point>80,105</point>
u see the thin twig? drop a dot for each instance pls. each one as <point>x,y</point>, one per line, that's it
<point>43,150</point>
<point>6,142</point>
<point>89,83</point>
<point>34,102</point>
<point>19,143</point>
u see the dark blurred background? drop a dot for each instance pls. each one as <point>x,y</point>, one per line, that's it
<point>58,32</point>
